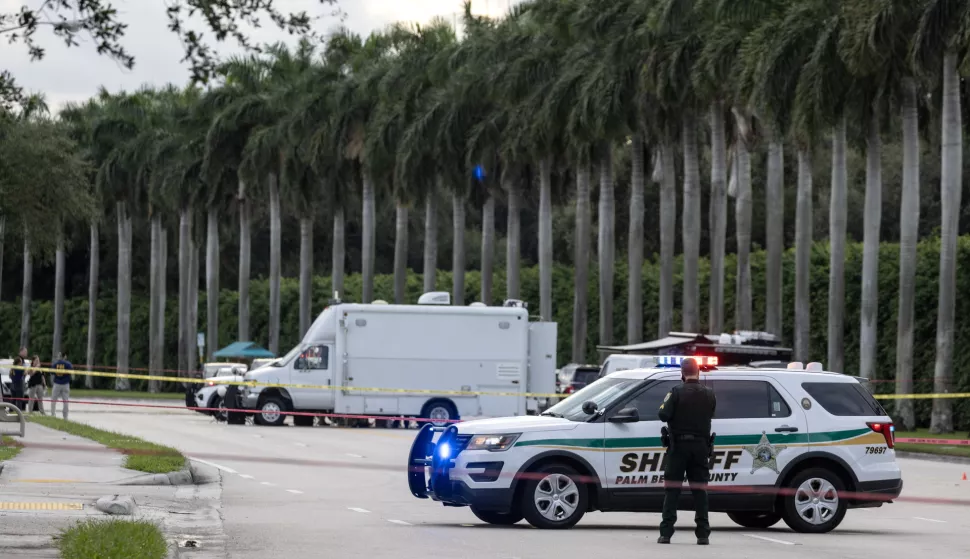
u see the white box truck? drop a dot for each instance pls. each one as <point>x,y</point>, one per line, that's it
<point>428,360</point>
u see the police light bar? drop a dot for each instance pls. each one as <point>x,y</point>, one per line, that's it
<point>678,360</point>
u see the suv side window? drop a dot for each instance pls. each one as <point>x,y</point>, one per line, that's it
<point>648,402</point>
<point>748,399</point>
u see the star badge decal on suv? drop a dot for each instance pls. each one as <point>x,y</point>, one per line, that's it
<point>764,454</point>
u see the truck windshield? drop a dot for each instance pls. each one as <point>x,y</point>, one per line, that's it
<point>287,358</point>
<point>602,392</point>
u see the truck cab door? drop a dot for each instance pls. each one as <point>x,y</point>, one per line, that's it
<point>313,373</point>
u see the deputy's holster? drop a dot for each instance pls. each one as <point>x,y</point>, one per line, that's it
<point>665,437</point>
<point>710,444</point>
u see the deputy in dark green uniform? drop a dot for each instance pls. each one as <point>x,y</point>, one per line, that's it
<point>687,410</point>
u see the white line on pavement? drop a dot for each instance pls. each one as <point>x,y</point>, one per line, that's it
<point>246,476</point>
<point>772,540</point>
<point>355,509</point>
<point>354,455</point>
<point>214,465</point>
<point>401,522</point>
<point>294,491</point>
<point>300,444</point>
<point>929,519</point>
<point>267,483</point>
<point>258,436</point>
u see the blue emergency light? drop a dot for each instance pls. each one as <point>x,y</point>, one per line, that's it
<point>678,360</point>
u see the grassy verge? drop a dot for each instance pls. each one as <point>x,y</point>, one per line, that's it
<point>142,456</point>
<point>82,393</point>
<point>941,449</point>
<point>113,539</point>
<point>8,448</point>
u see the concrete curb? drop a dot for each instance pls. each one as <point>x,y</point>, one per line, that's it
<point>932,457</point>
<point>181,477</point>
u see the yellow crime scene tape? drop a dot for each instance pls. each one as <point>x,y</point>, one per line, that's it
<point>253,384</point>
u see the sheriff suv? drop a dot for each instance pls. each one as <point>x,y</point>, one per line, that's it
<point>796,444</point>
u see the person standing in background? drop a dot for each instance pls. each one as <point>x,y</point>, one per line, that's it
<point>36,387</point>
<point>61,389</point>
<point>17,383</point>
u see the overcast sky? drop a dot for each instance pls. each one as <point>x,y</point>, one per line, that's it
<point>74,74</point>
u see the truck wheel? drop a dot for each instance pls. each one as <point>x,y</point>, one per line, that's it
<point>816,505</point>
<point>219,405</point>
<point>440,412</point>
<point>271,411</point>
<point>755,519</point>
<point>497,518</point>
<point>553,498</point>
<point>303,420</point>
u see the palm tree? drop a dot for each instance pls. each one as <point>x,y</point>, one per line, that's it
<point>938,47</point>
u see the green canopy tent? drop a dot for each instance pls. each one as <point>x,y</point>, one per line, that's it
<point>242,350</point>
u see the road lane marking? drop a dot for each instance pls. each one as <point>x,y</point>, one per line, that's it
<point>294,491</point>
<point>772,540</point>
<point>929,519</point>
<point>355,509</point>
<point>41,506</point>
<point>267,483</point>
<point>258,436</point>
<point>401,522</point>
<point>245,476</point>
<point>354,455</point>
<point>214,465</point>
<point>51,481</point>
<point>300,444</point>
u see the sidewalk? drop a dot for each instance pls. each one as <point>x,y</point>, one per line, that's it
<point>43,491</point>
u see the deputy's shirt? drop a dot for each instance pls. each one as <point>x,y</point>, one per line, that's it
<point>62,377</point>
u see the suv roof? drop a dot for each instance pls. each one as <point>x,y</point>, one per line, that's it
<point>794,374</point>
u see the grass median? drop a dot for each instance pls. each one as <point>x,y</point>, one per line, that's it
<point>9,448</point>
<point>961,450</point>
<point>141,455</point>
<point>113,539</point>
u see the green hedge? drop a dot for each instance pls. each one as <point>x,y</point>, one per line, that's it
<point>75,335</point>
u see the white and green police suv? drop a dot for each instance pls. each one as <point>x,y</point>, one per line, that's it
<point>797,444</point>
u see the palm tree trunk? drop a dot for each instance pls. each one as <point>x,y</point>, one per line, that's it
<point>742,212</point>
<point>212,261</point>
<point>951,181</point>
<point>401,254</point>
<point>193,329</point>
<point>606,248</point>
<point>718,218</point>
<point>668,233</point>
<point>775,229</point>
<point>512,241</point>
<point>581,274</point>
<point>908,237</point>
<point>430,272</point>
<point>274,264</point>
<point>3,234</point>
<point>154,349</point>
<point>367,248</point>
<point>488,248</point>
<point>245,253</point>
<point>59,263</point>
<point>634,306</point>
<point>26,295</point>
<point>870,252</point>
<point>458,249</point>
<point>691,226</point>
<point>162,295</point>
<point>339,251</point>
<point>838,212</point>
<point>185,264</point>
<point>306,274</point>
<point>94,263</point>
<point>124,295</point>
<point>803,253</point>
<point>545,239</point>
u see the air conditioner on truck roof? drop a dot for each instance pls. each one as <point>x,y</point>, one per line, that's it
<point>435,298</point>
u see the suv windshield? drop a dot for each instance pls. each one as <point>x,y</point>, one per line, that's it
<point>603,392</point>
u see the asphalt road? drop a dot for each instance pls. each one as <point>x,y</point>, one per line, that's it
<point>360,506</point>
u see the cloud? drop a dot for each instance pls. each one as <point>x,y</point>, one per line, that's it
<point>74,74</point>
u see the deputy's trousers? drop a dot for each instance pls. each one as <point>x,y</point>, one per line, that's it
<point>690,459</point>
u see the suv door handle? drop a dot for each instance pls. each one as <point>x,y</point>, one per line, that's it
<point>786,429</point>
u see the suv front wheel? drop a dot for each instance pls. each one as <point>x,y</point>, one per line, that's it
<point>814,503</point>
<point>554,498</point>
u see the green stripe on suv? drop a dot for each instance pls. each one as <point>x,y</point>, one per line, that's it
<point>727,440</point>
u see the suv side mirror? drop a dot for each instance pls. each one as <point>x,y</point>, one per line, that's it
<point>626,415</point>
<point>590,407</point>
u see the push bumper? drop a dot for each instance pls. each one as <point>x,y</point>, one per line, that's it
<point>429,466</point>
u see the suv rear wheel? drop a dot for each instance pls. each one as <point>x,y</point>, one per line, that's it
<point>815,504</point>
<point>755,519</point>
<point>554,498</point>
<point>497,518</point>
